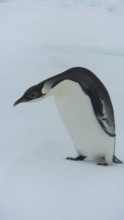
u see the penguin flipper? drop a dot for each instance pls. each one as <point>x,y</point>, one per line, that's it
<point>116,160</point>
<point>104,116</point>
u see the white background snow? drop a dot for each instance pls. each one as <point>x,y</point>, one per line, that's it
<point>38,39</point>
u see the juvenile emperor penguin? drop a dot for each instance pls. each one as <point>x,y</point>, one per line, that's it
<point>85,107</point>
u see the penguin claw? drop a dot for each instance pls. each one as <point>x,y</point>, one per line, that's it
<point>77,158</point>
<point>102,164</point>
<point>69,158</point>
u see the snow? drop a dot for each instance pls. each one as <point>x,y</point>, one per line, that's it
<point>39,39</point>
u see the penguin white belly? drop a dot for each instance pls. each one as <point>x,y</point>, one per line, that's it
<point>77,113</point>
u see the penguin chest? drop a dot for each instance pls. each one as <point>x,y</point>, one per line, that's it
<point>77,113</point>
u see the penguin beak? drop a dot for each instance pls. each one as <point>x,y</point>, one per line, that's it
<point>21,100</point>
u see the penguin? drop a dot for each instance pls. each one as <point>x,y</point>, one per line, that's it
<point>85,107</point>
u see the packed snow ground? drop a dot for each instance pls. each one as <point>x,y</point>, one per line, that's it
<point>39,39</point>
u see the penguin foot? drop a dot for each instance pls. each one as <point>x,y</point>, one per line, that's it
<point>102,164</point>
<point>77,158</point>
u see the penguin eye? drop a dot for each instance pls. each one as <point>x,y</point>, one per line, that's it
<point>34,95</point>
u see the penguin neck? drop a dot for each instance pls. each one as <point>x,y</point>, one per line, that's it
<point>63,88</point>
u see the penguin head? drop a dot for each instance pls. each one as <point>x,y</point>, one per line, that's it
<point>33,93</point>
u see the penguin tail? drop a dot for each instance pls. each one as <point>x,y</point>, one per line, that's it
<point>116,160</point>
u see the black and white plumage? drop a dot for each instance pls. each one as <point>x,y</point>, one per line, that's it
<point>85,107</point>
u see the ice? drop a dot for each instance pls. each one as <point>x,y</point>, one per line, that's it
<point>39,39</point>
<point>3,1</point>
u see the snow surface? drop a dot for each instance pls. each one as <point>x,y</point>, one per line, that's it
<point>39,39</point>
